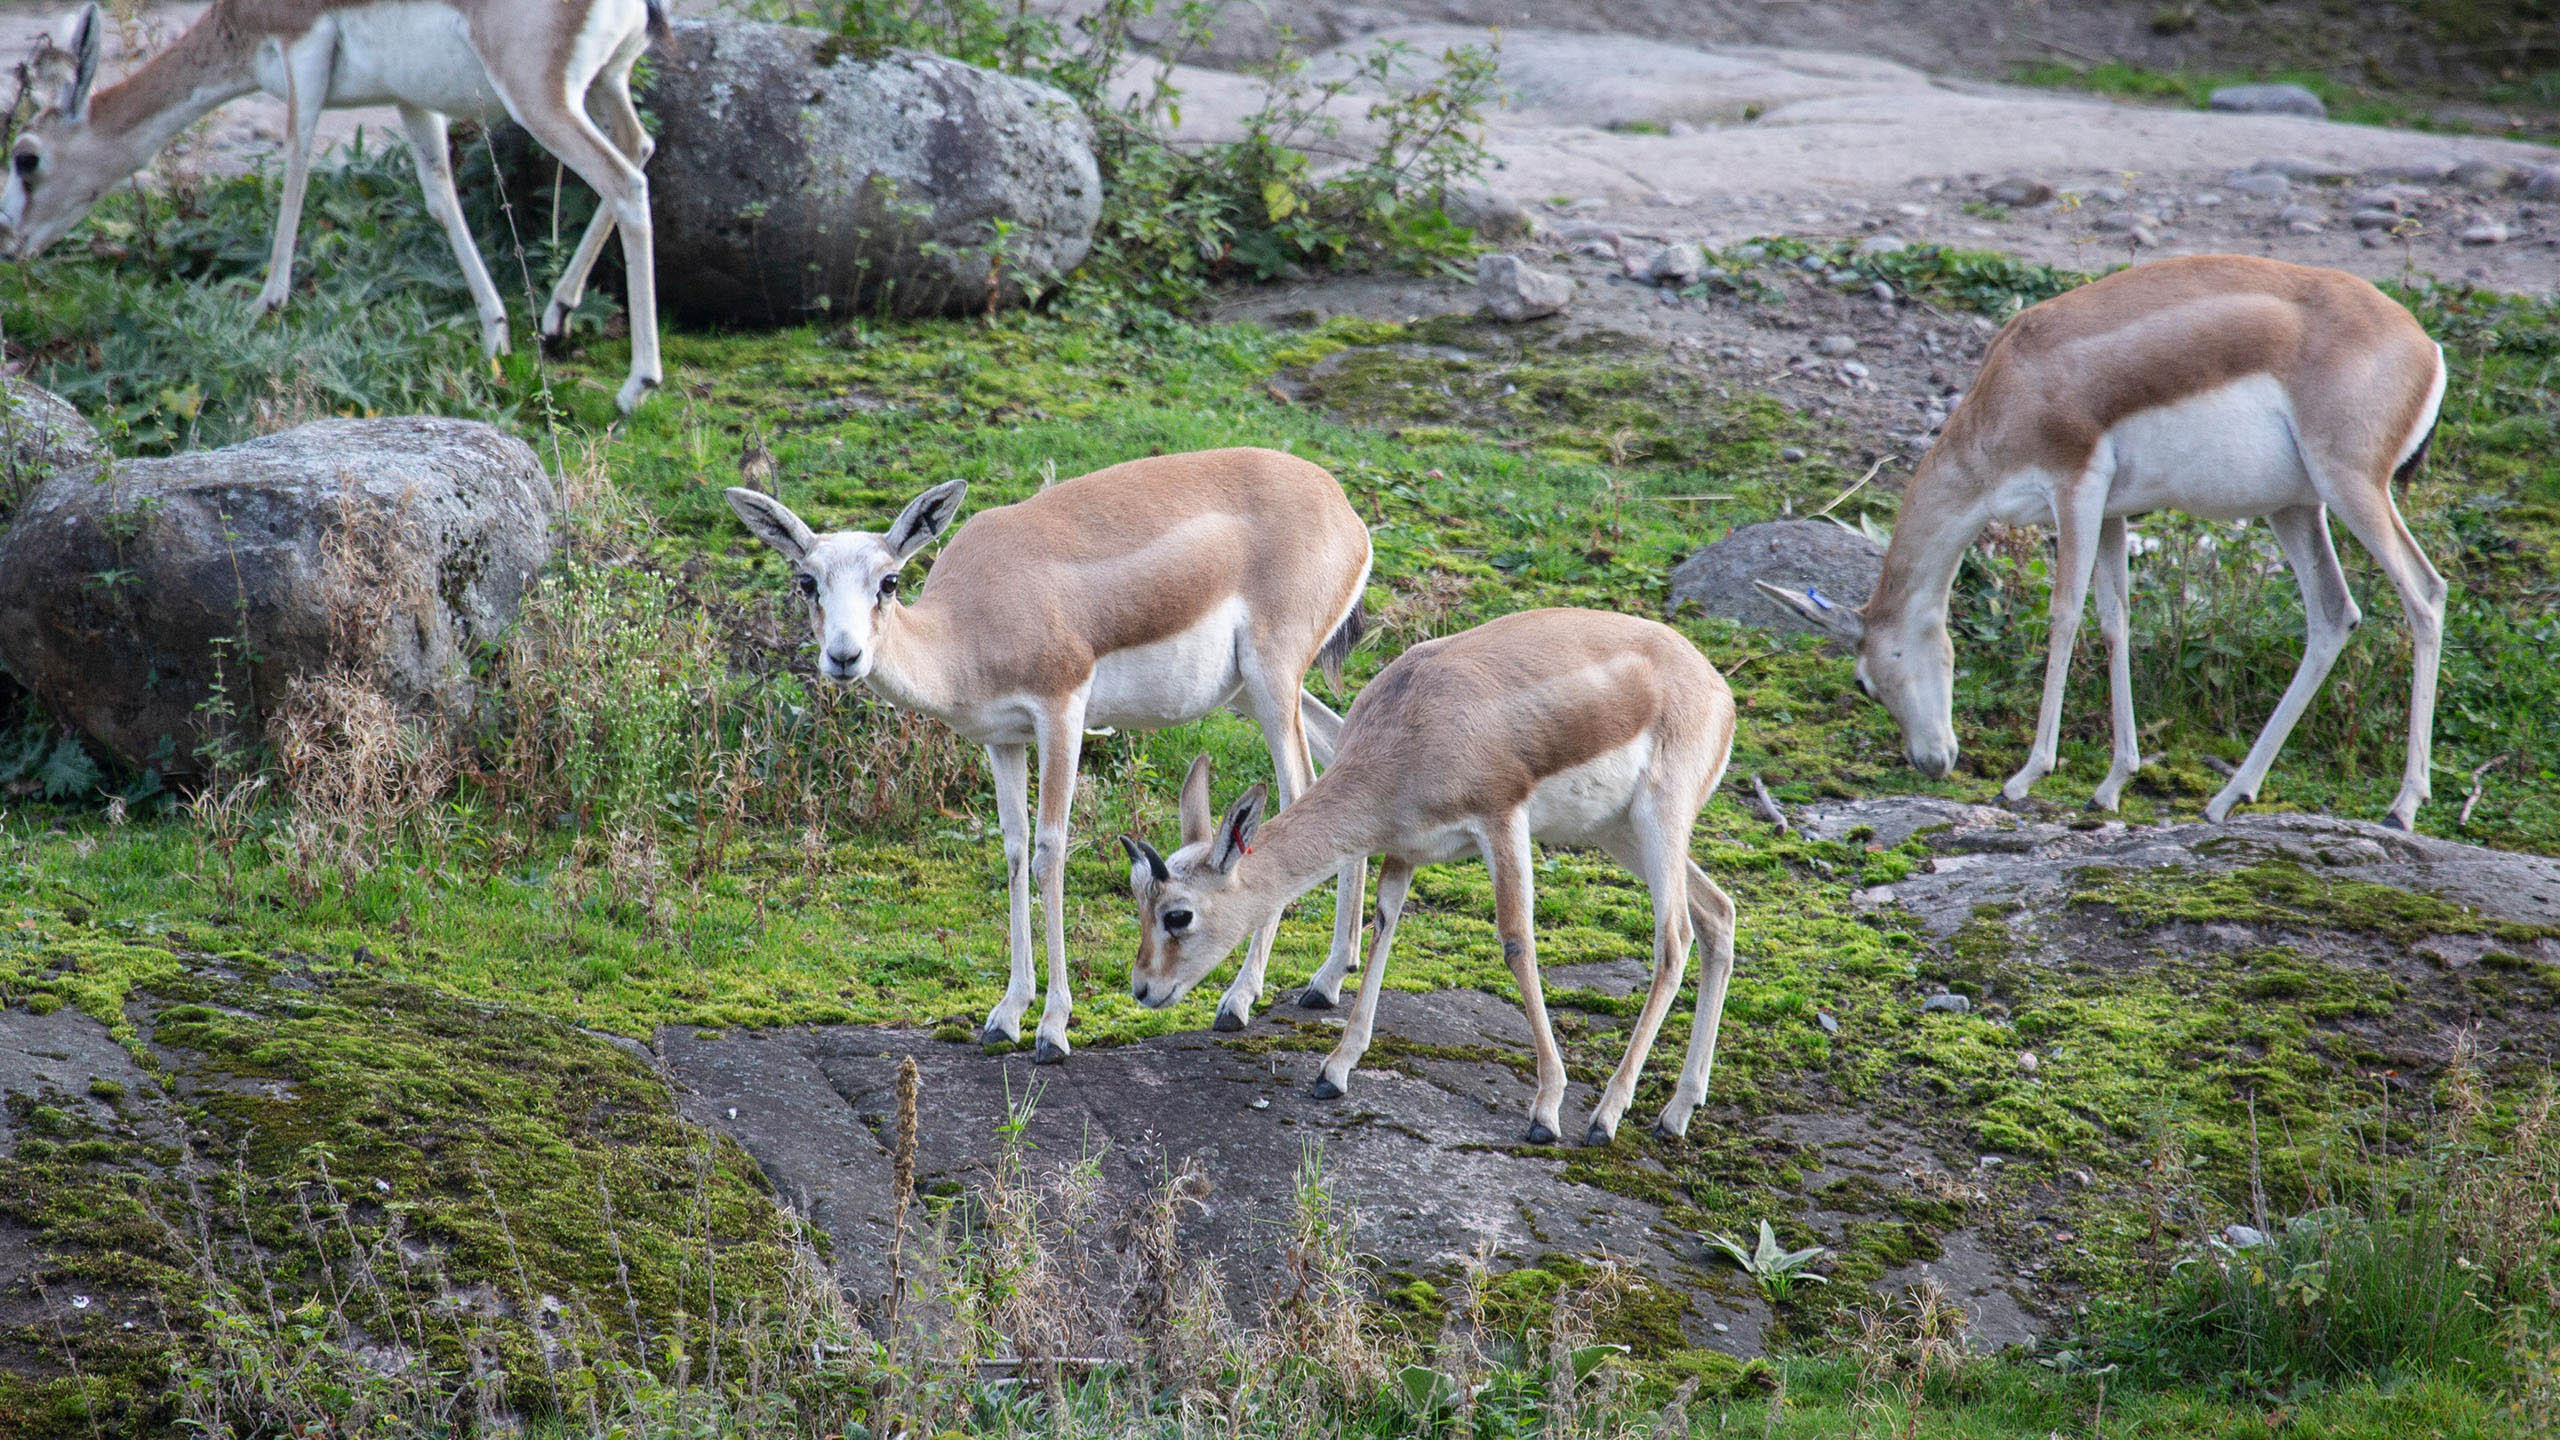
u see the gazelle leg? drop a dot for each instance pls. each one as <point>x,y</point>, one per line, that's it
<point>2115,618</point>
<point>1395,878</point>
<point>2078,514</point>
<point>435,177</point>
<point>2375,521</point>
<point>1663,860</point>
<point>1280,733</point>
<point>1322,728</point>
<point>1711,913</point>
<point>1508,854</point>
<point>2329,616</point>
<point>1012,769</point>
<point>612,94</point>
<point>557,118</point>
<point>307,78</point>
<point>1061,749</point>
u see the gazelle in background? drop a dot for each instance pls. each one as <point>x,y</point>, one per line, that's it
<point>2220,385</point>
<point>539,61</point>
<point>1143,595</point>
<point>1572,726</point>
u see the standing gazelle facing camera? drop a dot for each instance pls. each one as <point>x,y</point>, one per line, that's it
<point>1143,595</point>
<point>1577,727</point>
<point>539,62</point>
<point>2223,386</point>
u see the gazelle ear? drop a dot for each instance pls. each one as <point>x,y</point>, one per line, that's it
<point>925,517</point>
<point>1195,802</point>
<point>1235,832</point>
<point>1830,617</point>
<point>86,36</point>
<point>1142,854</point>
<point>772,522</point>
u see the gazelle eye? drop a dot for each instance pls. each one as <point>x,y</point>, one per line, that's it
<point>27,161</point>
<point>889,583</point>
<point>806,584</point>
<point>1176,921</point>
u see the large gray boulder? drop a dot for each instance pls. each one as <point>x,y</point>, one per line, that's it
<point>1793,554</point>
<point>140,598</point>
<point>794,181</point>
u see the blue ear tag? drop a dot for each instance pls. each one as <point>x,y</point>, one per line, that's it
<point>1816,597</point>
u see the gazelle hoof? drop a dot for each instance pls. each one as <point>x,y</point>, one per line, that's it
<point>1228,1021</point>
<point>1325,1089</point>
<point>1049,1052</point>
<point>1665,1132</point>
<point>996,1035</point>
<point>1538,1134</point>
<point>1312,998</point>
<point>1598,1135</point>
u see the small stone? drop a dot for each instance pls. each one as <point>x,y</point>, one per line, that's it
<point>1945,1003</point>
<point>1909,211</point>
<point>2122,221</point>
<point>1720,1327</point>
<point>1496,219</point>
<point>2243,1237</point>
<point>2271,99</point>
<point>2485,177</point>
<point>1679,263</point>
<point>1882,245</point>
<point>2027,1061</point>
<point>2307,172</point>
<point>1991,1162</point>
<point>2485,232</point>
<point>2374,219</point>
<point>1881,292</point>
<point>1853,369</point>
<point>2544,184</point>
<point>1835,346</point>
<point>2306,227</point>
<point>1824,1019</point>
<point>1261,1102</point>
<point>2107,194</point>
<point>2082,1178</point>
<point>1514,292</point>
<point>1790,454</point>
<point>733,1112</point>
<point>2145,237</point>
<point>2298,214</point>
<point>2421,172</point>
<point>2264,184</point>
<point>2017,190</point>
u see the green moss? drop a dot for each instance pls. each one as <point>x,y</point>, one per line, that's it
<point>2285,894</point>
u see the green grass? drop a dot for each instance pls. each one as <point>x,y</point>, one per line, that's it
<point>2349,103</point>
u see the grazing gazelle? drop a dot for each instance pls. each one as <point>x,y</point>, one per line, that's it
<point>1572,726</point>
<point>1143,595</point>
<point>539,61</point>
<point>2220,385</point>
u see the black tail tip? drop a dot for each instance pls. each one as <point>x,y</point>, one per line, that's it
<point>660,32</point>
<point>1345,638</point>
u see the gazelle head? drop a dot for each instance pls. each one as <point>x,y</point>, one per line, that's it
<point>60,164</point>
<point>1906,664</point>
<point>1190,914</point>
<point>850,578</point>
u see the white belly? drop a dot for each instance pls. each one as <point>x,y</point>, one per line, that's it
<point>1588,803</point>
<point>2224,454</point>
<point>402,52</point>
<point>1175,680</point>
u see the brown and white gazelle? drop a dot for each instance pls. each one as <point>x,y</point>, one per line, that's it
<point>539,61</point>
<point>1142,595</point>
<point>2224,386</point>
<point>1572,726</point>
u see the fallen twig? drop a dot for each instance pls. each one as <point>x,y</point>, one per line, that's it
<point>1769,807</point>
<point>1852,490</point>
<point>2479,781</point>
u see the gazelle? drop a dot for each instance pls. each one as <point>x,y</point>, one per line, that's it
<point>2221,385</point>
<point>539,61</point>
<point>1142,595</point>
<point>1572,726</point>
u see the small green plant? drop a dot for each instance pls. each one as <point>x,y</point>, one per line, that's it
<point>1777,1268</point>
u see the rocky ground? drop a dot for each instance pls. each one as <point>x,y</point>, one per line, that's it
<point>1426,1145</point>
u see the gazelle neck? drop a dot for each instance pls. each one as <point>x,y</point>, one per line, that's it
<point>201,70</point>
<point>1304,845</point>
<point>1938,520</point>
<point>916,645</point>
